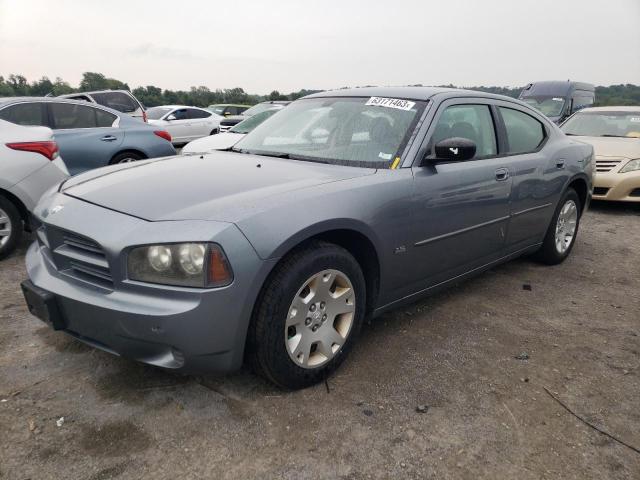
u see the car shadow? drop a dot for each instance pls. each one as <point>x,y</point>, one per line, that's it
<point>615,208</point>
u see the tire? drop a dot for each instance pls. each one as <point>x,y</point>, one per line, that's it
<point>566,218</point>
<point>126,157</point>
<point>272,344</point>
<point>10,221</point>
<point>215,131</point>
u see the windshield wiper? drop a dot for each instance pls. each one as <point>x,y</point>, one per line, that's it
<point>287,156</point>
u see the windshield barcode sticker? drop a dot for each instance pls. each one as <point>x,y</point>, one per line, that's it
<point>391,103</point>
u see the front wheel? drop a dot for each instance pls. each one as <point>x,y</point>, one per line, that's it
<point>308,316</point>
<point>563,230</point>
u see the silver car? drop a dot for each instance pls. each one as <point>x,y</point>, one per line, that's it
<point>89,135</point>
<point>344,205</point>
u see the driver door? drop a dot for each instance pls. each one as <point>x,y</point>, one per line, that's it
<point>461,208</point>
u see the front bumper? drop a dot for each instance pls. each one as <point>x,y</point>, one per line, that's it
<point>188,329</point>
<point>616,186</point>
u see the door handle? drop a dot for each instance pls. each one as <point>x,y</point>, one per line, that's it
<point>560,163</point>
<point>502,174</point>
<point>108,138</point>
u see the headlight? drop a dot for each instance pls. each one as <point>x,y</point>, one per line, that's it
<point>202,265</point>
<point>631,166</point>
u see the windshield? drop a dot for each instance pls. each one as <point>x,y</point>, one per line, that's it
<point>250,123</point>
<point>549,106</point>
<point>261,107</point>
<point>365,132</point>
<point>218,109</point>
<point>603,124</point>
<point>156,113</point>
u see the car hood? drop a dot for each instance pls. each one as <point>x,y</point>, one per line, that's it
<point>221,141</point>
<point>625,147</point>
<point>223,186</point>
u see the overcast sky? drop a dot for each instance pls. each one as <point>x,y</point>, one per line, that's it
<point>263,45</point>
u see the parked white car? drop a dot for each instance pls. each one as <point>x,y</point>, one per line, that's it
<point>229,138</point>
<point>184,123</point>
<point>29,166</point>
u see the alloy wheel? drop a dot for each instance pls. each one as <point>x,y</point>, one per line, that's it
<point>5,228</point>
<point>566,226</point>
<point>320,318</point>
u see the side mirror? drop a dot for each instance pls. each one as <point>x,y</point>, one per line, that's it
<point>455,149</point>
<point>170,118</point>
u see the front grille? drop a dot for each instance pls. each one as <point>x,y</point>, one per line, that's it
<point>76,256</point>
<point>606,164</point>
<point>600,190</point>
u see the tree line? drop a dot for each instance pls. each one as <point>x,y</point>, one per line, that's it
<point>151,96</point>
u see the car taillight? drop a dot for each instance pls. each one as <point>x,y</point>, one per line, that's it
<point>49,149</point>
<point>163,134</point>
<point>144,117</point>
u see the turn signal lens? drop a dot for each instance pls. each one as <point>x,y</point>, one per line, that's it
<point>219,269</point>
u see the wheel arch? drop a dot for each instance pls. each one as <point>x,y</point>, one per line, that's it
<point>22,209</point>
<point>581,186</point>
<point>128,150</point>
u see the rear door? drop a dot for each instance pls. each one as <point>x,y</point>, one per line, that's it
<point>199,123</point>
<point>538,174</point>
<point>88,136</point>
<point>460,209</point>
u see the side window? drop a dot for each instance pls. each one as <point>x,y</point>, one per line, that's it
<point>117,100</point>
<point>473,122</point>
<point>25,114</point>
<point>524,133</point>
<point>241,110</point>
<point>104,119</point>
<point>230,111</point>
<point>195,114</point>
<point>180,114</point>
<point>69,115</point>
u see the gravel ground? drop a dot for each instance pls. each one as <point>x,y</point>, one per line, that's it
<point>431,391</point>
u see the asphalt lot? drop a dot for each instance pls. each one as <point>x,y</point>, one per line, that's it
<point>484,413</point>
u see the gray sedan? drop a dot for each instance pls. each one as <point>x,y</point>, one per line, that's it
<point>344,205</point>
<point>89,135</point>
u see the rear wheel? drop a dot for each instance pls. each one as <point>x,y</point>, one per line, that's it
<point>563,230</point>
<point>11,227</point>
<point>308,317</point>
<point>126,157</point>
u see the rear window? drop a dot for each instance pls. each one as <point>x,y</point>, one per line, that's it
<point>117,100</point>
<point>29,114</point>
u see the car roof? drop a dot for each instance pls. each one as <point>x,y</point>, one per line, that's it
<point>10,100</point>
<point>173,107</point>
<point>555,87</point>
<point>409,93</point>
<point>228,105</point>
<point>631,109</point>
<point>95,91</point>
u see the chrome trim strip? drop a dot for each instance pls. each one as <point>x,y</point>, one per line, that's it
<point>458,232</point>
<point>527,210</point>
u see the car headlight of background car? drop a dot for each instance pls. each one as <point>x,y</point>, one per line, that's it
<point>202,265</point>
<point>631,166</point>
